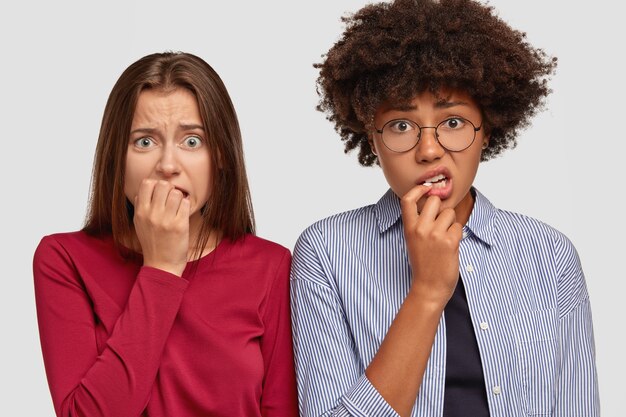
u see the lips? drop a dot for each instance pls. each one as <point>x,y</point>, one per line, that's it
<point>440,182</point>
<point>434,175</point>
<point>185,193</point>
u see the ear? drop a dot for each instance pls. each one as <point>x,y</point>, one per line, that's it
<point>485,142</point>
<point>370,140</point>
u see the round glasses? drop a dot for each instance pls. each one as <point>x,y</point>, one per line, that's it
<point>454,134</point>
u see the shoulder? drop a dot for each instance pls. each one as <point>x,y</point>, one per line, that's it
<point>530,237</point>
<point>519,235</point>
<point>266,263</point>
<point>76,253</point>
<point>66,256</point>
<point>530,230</point>
<point>328,242</point>
<point>546,254</point>
<point>345,225</point>
<point>251,250</point>
<point>253,243</point>
<point>70,245</point>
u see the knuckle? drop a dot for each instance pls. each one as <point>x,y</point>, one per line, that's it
<point>423,233</point>
<point>453,242</point>
<point>154,219</point>
<point>140,213</point>
<point>405,202</point>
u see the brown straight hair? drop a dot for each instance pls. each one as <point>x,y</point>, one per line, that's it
<point>229,209</point>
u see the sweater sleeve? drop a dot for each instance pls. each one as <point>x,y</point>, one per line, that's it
<point>118,381</point>
<point>279,396</point>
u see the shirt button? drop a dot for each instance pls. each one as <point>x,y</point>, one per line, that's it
<point>464,234</point>
<point>469,268</point>
<point>484,325</point>
<point>496,390</point>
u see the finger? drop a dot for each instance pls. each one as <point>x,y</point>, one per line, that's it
<point>173,202</point>
<point>456,230</point>
<point>445,220</point>
<point>408,203</point>
<point>160,195</point>
<point>184,209</point>
<point>144,195</point>
<point>431,209</point>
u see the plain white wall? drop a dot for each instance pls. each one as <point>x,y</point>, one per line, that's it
<point>60,60</point>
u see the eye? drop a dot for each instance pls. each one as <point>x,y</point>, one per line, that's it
<point>192,142</point>
<point>453,123</point>
<point>399,126</point>
<point>144,142</point>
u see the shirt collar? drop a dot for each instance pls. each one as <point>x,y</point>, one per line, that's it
<point>480,224</point>
<point>387,210</point>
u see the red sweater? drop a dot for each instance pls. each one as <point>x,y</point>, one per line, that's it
<point>120,339</point>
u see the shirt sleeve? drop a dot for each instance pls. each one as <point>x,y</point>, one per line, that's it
<point>117,381</point>
<point>330,373</point>
<point>279,397</point>
<point>577,385</point>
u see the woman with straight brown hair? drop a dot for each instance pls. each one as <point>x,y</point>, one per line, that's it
<point>166,304</point>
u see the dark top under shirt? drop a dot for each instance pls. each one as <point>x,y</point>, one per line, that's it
<point>465,394</point>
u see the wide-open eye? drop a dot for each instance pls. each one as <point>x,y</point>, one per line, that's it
<point>399,126</point>
<point>144,143</point>
<point>453,123</point>
<point>192,142</point>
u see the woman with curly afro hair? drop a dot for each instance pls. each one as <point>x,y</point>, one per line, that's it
<point>432,302</point>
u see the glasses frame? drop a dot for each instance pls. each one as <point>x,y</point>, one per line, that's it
<point>419,133</point>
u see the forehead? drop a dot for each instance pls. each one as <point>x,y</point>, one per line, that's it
<point>158,104</point>
<point>427,100</point>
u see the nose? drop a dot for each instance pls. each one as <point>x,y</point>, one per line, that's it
<point>428,148</point>
<point>168,164</point>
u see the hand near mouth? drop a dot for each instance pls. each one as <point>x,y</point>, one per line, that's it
<point>432,239</point>
<point>162,225</point>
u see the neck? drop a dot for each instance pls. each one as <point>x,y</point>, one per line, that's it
<point>464,208</point>
<point>199,249</point>
<point>195,225</point>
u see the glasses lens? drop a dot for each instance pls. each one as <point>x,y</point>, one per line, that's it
<point>456,133</point>
<point>400,135</point>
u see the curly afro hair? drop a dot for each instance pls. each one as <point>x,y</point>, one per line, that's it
<point>390,52</point>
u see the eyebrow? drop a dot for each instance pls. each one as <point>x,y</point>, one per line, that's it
<point>143,130</point>
<point>150,130</point>
<point>406,107</point>
<point>447,104</point>
<point>192,127</point>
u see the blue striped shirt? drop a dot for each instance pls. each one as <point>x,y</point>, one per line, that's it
<point>527,298</point>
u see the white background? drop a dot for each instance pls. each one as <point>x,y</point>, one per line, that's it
<point>60,59</point>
